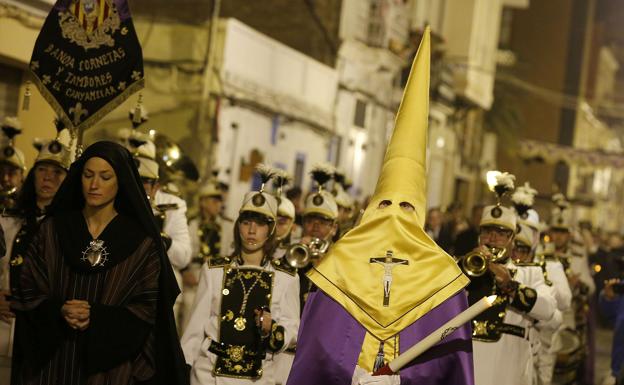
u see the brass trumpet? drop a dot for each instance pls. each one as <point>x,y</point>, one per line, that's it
<point>7,199</point>
<point>300,255</point>
<point>475,263</point>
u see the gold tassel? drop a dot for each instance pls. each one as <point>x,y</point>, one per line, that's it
<point>137,117</point>
<point>27,95</point>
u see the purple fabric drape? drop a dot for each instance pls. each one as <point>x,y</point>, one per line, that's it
<point>330,341</point>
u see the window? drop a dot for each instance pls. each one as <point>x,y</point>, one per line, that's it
<point>504,37</point>
<point>10,80</point>
<point>299,167</point>
<point>359,118</point>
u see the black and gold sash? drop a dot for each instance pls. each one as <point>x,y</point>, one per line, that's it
<point>241,348</point>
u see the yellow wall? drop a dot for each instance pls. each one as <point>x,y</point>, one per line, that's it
<point>18,32</point>
<point>170,99</point>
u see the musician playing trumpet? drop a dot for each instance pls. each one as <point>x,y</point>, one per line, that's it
<point>501,349</point>
<point>12,164</point>
<point>320,223</point>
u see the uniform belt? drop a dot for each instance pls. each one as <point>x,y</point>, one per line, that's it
<point>242,352</point>
<point>514,330</point>
<point>198,260</point>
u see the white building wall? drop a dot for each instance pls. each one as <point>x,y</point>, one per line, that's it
<point>366,75</point>
<point>255,132</point>
<point>354,20</point>
<point>282,106</point>
<point>441,156</point>
<point>606,74</point>
<point>428,12</point>
<point>260,69</point>
<point>471,29</point>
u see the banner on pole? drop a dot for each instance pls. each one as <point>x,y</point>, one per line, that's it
<point>87,60</point>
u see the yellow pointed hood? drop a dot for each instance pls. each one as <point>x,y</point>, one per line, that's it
<point>404,167</point>
<point>355,271</point>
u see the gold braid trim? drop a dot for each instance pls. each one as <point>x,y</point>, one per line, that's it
<point>276,339</point>
<point>525,299</point>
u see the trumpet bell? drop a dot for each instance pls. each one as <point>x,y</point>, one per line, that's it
<point>301,255</point>
<point>173,158</point>
<point>298,256</point>
<point>475,263</point>
<point>8,193</point>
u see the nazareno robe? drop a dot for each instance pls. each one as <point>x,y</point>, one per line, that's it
<point>330,340</point>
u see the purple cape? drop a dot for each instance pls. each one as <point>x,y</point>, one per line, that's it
<point>330,340</point>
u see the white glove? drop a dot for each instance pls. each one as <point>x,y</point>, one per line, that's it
<point>361,377</point>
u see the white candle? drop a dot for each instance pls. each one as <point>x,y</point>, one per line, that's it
<point>440,334</point>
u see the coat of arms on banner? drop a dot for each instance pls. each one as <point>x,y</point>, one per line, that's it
<point>90,23</point>
<point>87,59</point>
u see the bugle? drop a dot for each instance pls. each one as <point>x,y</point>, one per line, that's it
<point>475,263</point>
<point>300,255</point>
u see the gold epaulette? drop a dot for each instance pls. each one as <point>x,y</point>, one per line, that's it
<point>216,262</point>
<point>166,207</point>
<point>549,257</point>
<point>533,264</point>
<point>283,266</point>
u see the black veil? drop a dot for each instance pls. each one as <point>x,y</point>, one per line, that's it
<point>132,201</point>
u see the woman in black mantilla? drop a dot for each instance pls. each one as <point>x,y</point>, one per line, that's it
<point>97,287</point>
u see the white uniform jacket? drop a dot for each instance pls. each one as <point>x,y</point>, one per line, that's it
<point>203,326</point>
<point>509,361</point>
<point>176,228</point>
<point>560,285</point>
<point>11,226</point>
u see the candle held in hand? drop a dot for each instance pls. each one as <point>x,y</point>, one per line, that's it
<point>441,333</point>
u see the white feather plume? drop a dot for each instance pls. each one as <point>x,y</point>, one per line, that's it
<point>12,121</point>
<point>506,180</point>
<point>560,201</point>
<point>265,171</point>
<point>322,173</point>
<point>324,167</point>
<point>521,197</point>
<point>524,195</point>
<point>281,177</point>
<point>38,143</point>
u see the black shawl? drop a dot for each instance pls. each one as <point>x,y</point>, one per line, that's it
<point>132,205</point>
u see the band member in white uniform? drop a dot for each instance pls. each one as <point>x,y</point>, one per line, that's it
<point>571,338</point>
<point>284,225</point>
<point>206,234</point>
<point>12,167</point>
<point>170,210</point>
<point>285,222</point>
<point>531,251</point>
<point>247,305</point>
<point>320,221</point>
<point>12,163</point>
<point>501,349</point>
